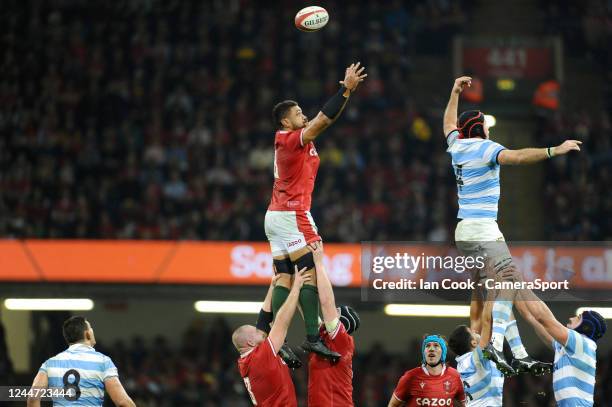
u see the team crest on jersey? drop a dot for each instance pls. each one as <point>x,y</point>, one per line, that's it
<point>422,385</point>
<point>447,386</point>
<point>313,151</point>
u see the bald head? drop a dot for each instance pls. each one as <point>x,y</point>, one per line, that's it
<point>246,337</point>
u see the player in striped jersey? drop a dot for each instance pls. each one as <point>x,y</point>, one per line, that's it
<point>575,345</point>
<point>476,161</point>
<point>482,381</point>
<point>81,371</point>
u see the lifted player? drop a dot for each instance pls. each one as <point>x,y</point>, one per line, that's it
<point>432,383</point>
<point>288,223</point>
<point>265,375</point>
<point>331,384</point>
<point>476,161</point>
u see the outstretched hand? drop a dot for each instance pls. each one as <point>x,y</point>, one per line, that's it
<point>461,83</point>
<point>567,146</point>
<point>353,76</point>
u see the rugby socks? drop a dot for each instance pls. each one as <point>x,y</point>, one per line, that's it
<point>514,339</point>
<point>279,295</point>
<point>309,301</point>
<point>501,315</point>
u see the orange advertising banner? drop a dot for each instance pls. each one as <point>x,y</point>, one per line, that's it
<point>248,263</point>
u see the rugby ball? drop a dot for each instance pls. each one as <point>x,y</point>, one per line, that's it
<point>311,19</point>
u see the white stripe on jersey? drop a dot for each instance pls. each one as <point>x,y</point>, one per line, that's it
<point>574,370</point>
<point>481,379</point>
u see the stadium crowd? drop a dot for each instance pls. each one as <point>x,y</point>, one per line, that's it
<point>138,119</point>
<point>142,119</point>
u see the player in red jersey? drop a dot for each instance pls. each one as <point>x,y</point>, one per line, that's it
<point>431,384</point>
<point>288,223</point>
<point>331,384</point>
<point>265,375</point>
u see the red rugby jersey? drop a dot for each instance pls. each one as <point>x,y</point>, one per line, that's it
<point>267,377</point>
<point>295,170</point>
<point>418,388</point>
<point>331,385</point>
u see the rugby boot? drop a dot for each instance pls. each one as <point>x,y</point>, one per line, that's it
<point>528,364</point>
<point>290,358</point>
<point>498,358</point>
<point>319,348</point>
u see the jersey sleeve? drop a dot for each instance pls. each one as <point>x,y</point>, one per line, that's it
<point>43,368</point>
<point>478,357</point>
<point>491,151</point>
<point>110,370</point>
<point>574,339</point>
<point>294,140</point>
<point>452,137</point>
<point>402,390</point>
<point>342,339</point>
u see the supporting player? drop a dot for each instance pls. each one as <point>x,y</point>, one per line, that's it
<point>265,375</point>
<point>476,161</point>
<point>81,372</point>
<point>482,381</point>
<point>264,323</point>
<point>432,383</point>
<point>331,384</point>
<point>575,345</point>
<point>288,224</point>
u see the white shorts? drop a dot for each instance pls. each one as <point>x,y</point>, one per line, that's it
<point>478,230</point>
<point>289,231</point>
<point>482,237</point>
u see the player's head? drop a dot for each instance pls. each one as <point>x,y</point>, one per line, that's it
<point>590,324</point>
<point>247,337</point>
<point>471,124</point>
<point>77,329</point>
<point>349,318</point>
<point>433,350</point>
<point>288,115</point>
<point>463,340</point>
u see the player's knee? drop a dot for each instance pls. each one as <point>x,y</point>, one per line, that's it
<point>283,266</point>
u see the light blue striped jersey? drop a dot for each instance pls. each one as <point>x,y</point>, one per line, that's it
<point>483,383</point>
<point>80,365</point>
<point>574,370</point>
<point>477,174</point>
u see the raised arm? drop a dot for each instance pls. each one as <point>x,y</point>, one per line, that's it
<point>265,314</point>
<point>333,108</point>
<point>542,333</point>
<point>285,313</point>
<point>533,155</point>
<point>117,393</point>
<point>486,323</point>
<point>538,309</point>
<point>450,114</point>
<point>41,381</point>
<point>324,286</point>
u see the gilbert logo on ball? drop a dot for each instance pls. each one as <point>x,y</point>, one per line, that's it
<point>311,18</point>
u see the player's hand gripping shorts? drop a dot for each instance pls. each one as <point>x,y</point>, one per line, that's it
<point>289,231</point>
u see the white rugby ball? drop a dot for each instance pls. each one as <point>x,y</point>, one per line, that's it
<point>311,18</point>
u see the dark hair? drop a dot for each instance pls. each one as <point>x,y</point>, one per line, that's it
<point>279,112</point>
<point>471,124</point>
<point>74,329</point>
<point>460,339</point>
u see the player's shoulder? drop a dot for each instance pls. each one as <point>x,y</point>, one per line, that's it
<point>417,371</point>
<point>451,371</point>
